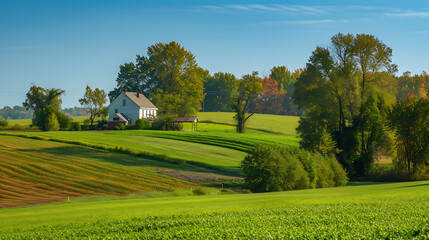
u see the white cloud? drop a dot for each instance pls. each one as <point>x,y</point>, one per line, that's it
<point>407,14</point>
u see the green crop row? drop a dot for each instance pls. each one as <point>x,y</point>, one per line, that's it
<point>390,211</point>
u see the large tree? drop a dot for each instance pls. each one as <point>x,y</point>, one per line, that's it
<point>219,91</point>
<point>131,77</point>
<point>244,102</point>
<point>94,100</point>
<point>345,90</point>
<point>46,105</point>
<point>169,75</point>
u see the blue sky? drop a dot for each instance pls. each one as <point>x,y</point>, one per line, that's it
<point>69,44</point>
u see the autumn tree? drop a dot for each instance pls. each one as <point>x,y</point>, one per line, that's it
<point>409,119</point>
<point>93,100</point>
<point>418,85</point>
<point>46,105</point>
<point>271,99</point>
<point>243,103</point>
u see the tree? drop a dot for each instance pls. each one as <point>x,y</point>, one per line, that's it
<point>343,86</point>
<point>282,76</point>
<point>219,91</point>
<point>417,85</point>
<point>46,104</point>
<point>244,105</point>
<point>94,100</point>
<point>169,76</point>
<point>131,77</point>
<point>270,100</point>
<point>409,119</point>
<point>175,73</point>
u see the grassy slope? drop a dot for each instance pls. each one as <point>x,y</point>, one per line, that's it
<point>224,159</point>
<point>273,123</point>
<point>33,171</point>
<point>370,211</point>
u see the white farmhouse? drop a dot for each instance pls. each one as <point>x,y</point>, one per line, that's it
<point>128,107</point>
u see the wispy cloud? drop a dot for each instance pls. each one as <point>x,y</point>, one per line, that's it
<point>305,22</point>
<point>297,9</point>
<point>407,14</point>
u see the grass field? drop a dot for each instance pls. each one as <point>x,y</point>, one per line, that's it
<point>374,211</point>
<point>33,171</point>
<point>266,122</point>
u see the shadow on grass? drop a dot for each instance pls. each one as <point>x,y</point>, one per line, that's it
<point>417,185</point>
<point>132,160</point>
<point>365,183</point>
<point>105,156</point>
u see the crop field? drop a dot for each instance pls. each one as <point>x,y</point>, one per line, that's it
<point>374,211</point>
<point>33,171</point>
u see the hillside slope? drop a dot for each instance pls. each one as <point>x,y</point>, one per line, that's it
<point>266,122</point>
<point>33,171</point>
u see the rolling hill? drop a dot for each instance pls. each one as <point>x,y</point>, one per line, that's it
<point>34,171</point>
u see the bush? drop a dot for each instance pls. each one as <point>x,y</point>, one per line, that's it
<point>75,126</point>
<point>166,123</point>
<point>3,122</point>
<point>199,191</point>
<point>116,128</point>
<point>273,168</point>
<point>121,126</point>
<point>64,121</point>
<point>142,124</point>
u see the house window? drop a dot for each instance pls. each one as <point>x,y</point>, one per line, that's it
<point>124,102</point>
<point>116,110</point>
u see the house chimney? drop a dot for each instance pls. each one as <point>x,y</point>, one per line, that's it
<point>138,95</point>
<point>125,90</point>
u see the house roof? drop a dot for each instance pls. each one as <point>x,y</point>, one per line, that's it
<point>186,119</point>
<point>121,117</point>
<point>140,100</point>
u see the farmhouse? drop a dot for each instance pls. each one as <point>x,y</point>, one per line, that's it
<point>128,107</point>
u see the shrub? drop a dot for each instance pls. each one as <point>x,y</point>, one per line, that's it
<point>64,121</point>
<point>166,123</point>
<point>75,126</point>
<point>199,191</point>
<point>273,168</point>
<point>121,126</point>
<point>142,124</point>
<point>3,122</point>
<point>116,128</point>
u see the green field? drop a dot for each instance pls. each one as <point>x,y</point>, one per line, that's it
<point>375,211</point>
<point>266,122</point>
